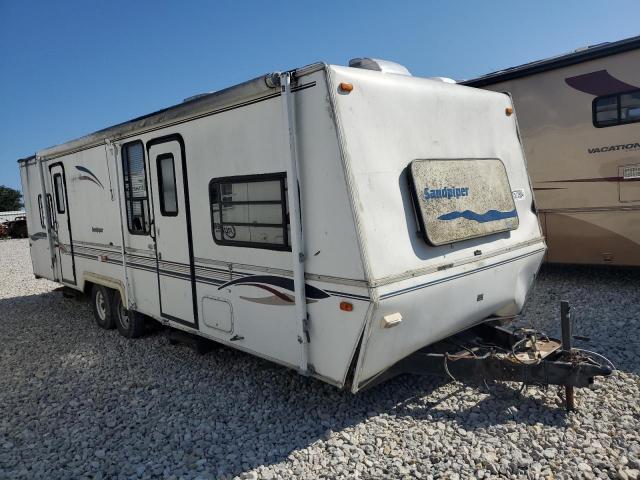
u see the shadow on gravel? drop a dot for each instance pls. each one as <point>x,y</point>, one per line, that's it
<point>80,401</point>
<point>605,305</point>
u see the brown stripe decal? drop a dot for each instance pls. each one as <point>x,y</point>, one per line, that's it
<point>600,179</point>
<point>598,83</point>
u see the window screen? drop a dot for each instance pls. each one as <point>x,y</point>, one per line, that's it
<point>135,188</point>
<point>59,191</point>
<point>616,109</point>
<point>41,211</point>
<point>167,185</point>
<point>52,217</point>
<point>250,211</point>
<point>630,107</point>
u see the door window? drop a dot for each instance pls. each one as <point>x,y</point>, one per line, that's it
<point>167,185</point>
<point>59,191</point>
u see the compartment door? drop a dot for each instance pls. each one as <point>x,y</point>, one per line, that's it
<point>172,226</point>
<point>59,209</point>
<point>629,181</point>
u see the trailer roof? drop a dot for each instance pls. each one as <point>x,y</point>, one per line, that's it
<point>578,56</point>
<point>193,107</point>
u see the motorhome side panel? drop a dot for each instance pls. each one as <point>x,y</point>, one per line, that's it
<point>585,177</point>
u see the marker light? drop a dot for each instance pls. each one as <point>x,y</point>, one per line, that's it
<point>346,306</point>
<point>508,111</point>
<point>346,87</point>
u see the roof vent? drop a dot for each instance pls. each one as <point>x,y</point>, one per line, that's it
<point>443,79</point>
<point>195,97</point>
<point>384,66</point>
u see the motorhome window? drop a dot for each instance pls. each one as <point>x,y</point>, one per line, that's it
<point>59,191</point>
<point>41,211</point>
<point>630,107</point>
<point>606,111</point>
<point>167,185</point>
<point>616,109</point>
<point>250,211</point>
<point>135,188</point>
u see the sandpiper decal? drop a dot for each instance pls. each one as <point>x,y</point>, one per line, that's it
<point>275,286</point>
<point>89,176</point>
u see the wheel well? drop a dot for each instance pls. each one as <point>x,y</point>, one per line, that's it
<point>91,279</point>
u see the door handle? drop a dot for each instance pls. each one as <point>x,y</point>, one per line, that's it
<point>152,229</point>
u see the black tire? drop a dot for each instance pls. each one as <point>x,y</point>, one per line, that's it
<point>102,304</point>
<point>130,323</point>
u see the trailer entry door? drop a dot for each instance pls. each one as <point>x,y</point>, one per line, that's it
<point>61,224</point>
<point>172,230</point>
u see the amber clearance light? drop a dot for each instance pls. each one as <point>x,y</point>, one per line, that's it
<point>346,306</point>
<point>346,87</point>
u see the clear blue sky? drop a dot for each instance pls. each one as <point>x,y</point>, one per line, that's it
<point>68,68</point>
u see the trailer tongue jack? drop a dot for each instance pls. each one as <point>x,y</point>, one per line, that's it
<point>490,352</point>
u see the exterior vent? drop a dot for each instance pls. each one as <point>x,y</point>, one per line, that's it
<point>384,66</point>
<point>195,97</point>
<point>443,79</point>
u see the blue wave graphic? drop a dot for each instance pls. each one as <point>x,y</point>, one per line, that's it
<point>489,216</point>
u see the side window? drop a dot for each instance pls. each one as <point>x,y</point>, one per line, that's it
<point>135,188</point>
<point>167,185</point>
<point>605,111</point>
<point>59,191</point>
<point>41,211</point>
<point>616,109</point>
<point>250,211</point>
<point>630,107</point>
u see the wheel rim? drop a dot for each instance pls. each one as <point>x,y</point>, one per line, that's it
<point>123,315</point>
<point>101,305</point>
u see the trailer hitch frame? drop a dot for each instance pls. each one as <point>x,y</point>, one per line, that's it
<point>492,352</point>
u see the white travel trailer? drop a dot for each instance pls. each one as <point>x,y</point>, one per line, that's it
<point>331,219</point>
<point>579,115</point>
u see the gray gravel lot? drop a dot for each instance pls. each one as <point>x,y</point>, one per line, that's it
<point>80,402</point>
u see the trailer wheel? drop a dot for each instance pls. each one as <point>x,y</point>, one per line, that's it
<point>130,323</point>
<point>102,303</point>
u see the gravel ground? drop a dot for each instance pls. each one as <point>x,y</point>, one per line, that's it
<point>80,402</point>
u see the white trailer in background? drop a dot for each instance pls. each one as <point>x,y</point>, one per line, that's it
<point>331,219</point>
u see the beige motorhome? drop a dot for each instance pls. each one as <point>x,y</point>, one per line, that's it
<point>578,115</point>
